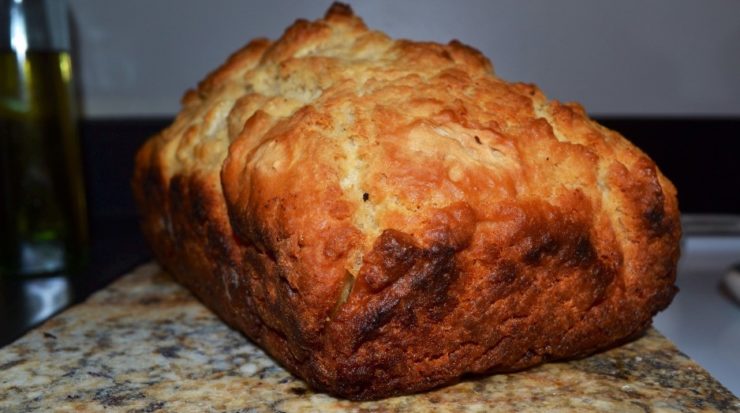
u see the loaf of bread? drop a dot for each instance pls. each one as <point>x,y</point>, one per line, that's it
<point>385,216</point>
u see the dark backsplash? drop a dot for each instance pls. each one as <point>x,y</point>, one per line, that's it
<point>699,155</point>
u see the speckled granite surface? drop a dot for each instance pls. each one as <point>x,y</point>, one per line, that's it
<point>144,344</point>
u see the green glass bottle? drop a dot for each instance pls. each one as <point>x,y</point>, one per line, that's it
<point>43,218</point>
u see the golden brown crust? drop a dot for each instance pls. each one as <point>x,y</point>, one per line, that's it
<point>384,216</point>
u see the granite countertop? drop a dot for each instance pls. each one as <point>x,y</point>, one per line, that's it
<point>144,344</point>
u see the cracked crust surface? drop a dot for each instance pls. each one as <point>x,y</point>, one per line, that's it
<point>384,216</point>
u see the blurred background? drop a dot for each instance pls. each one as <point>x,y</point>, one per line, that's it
<point>664,73</point>
<point>626,58</point>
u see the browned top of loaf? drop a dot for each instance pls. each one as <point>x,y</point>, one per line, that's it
<point>344,153</point>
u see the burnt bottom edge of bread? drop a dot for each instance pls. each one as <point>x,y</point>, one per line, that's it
<point>415,317</point>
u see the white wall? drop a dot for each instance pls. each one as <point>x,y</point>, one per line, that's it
<point>629,57</point>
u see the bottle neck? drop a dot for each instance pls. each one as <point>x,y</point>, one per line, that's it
<point>34,25</point>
